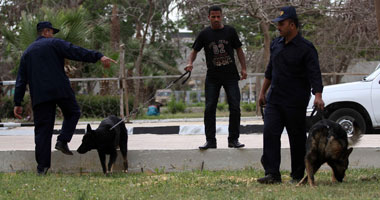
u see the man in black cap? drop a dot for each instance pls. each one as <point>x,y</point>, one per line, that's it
<point>293,71</point>
<point>42,68</point>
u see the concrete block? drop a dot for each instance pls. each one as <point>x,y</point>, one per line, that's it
<point>169,160</point>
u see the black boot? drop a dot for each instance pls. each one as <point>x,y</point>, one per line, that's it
<point>62,146</point>
<point>42,172</point>
<point>235,144</point>
<point>269,179</point>
<point>208,145</point>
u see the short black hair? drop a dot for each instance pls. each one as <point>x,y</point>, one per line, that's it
<point>214,8</point>
<point>295,21</point>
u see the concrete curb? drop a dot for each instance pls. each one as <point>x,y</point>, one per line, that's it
<point>170,160</point>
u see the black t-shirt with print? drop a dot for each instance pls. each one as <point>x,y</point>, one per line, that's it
<point>219,45</point>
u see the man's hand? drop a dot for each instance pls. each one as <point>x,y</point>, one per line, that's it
<point>17,111</point>
<point>243,74</point>
<point>188,68</point>
<point>262,100</point>
<point>318,102</point>
<point>107,61</point>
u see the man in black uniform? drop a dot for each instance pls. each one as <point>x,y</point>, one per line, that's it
<point>292,72</point>
<point>42,68</point>
<point>219,42</point>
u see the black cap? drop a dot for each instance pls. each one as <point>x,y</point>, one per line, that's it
<point>46,24</point>
<point>288,12</point>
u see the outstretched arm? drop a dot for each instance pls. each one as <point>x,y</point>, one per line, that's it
<point>107,61</point>
<point>73,52</point>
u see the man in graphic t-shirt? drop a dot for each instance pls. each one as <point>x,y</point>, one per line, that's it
<point>219,41</point>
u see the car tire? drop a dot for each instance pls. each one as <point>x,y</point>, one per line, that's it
<point>346,118</point>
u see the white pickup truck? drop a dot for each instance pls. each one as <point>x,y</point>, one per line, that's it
<point>353,102</point>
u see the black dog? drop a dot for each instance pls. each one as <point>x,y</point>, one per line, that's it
<point>106,141</point>
<point>328,142</point>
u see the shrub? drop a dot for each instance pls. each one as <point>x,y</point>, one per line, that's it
<point>174,106</point>
<point>7,105</point>
<point>91,106</point>
<point>101,106</point>
<point>222,106</point>
<point>200,104</point>
<point>249,107</point>
<point>98,106</point>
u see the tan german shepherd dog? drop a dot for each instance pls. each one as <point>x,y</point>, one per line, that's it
<point>328,142</point>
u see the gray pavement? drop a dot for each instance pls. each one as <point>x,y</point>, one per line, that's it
<point>189,126</point>
<point>167,142</point>
<point>172,152</point>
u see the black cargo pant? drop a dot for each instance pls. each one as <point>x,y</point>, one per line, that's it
<point>44,117</point>
<point>293,119</point>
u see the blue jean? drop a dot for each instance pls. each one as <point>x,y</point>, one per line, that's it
<point>212,91</point>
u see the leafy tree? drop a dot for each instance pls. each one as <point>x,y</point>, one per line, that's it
<point>341,30</point>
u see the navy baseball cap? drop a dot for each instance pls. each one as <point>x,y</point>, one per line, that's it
<point>46,24</point>
<point>288,12</point>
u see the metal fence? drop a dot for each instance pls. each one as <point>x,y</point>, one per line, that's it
<point>192,93</point>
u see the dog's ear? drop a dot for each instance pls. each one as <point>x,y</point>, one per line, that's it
<point>349,151</point>
<point>88,128</point>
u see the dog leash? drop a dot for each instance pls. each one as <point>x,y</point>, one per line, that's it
<point>187,78</point>
<point>319,110</point>
<point>152,97</point>
<point>322,117</point>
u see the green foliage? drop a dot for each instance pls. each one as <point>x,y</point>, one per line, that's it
<point>176,106</point>
<point>73,25</point>
<point>91,106</point>
<point>100,106</point>
<point>222,106</point>
<point>89,25</point>
<point>199,104</point>
<point>7,105</point>
<point>248,107</point>
<point>194,97</point>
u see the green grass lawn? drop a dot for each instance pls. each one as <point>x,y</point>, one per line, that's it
<point>358,184</point>
<point>144,116</point>
<point>192,115</point>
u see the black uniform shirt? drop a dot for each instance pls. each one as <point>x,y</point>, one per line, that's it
<point>293,70</point>
<point>42,68</point>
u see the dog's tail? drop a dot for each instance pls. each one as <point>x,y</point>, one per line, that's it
<point>355,138</point>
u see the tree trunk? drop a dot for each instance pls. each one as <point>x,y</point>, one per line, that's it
<point>105,87</point>
<point>265,29</point>
<point>138,29</point>
<point>138,63</point>
<point>130,84</point>
<point>115,28</point>
<point>377,10</point>
<point>122,82</point>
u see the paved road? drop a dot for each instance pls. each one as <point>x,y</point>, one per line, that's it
<point>11,139</point>
<point>168,142</point>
